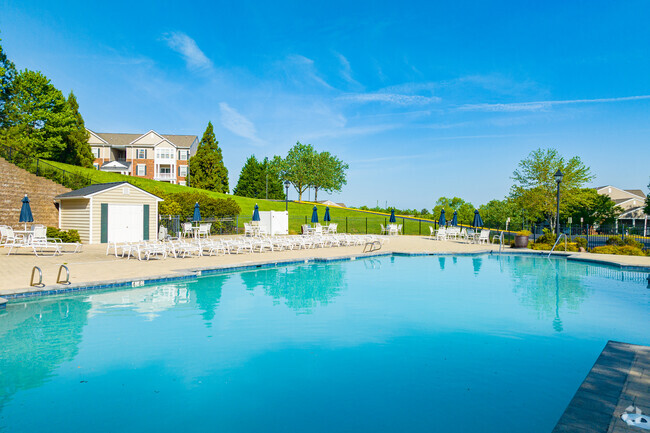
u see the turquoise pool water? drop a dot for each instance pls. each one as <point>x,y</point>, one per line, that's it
<point>447,344</point>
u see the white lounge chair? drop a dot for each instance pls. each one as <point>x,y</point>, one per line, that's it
<point>40,242</point>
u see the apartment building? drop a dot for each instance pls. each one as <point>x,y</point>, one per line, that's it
<point>150,155</point>
<point>631,201</point>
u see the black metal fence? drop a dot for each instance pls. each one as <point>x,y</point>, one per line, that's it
<point>597,235</point>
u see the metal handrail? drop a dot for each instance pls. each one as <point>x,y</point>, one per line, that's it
<point>500,242</point>
<point>40,277</point>
<point>556,242</point>
<point>67,275</point>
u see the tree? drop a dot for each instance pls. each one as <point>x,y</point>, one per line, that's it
<point>77,150</point>
<point>7,76</point>
<point>495,213</point>
<point>250,172</point>
<point>207,170</point>
<point>646,209</point>
<point>259,180</point>
<point>465,209</point>
<point>328,173</point>
<point>535,186</point>
<point>297,167</point>
<point>37,117</point>
<point>597,209</point>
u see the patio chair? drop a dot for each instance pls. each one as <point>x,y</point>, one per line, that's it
<point>384,230</point>
<point>187,230</point>
<point>12,240</point>
<point>248,229</point>
<point>431,232</point>
<point>332,228</point>
<point>441,234</point>
<point>484,237</point>
<point>40,242</point>
<point>204,230</point>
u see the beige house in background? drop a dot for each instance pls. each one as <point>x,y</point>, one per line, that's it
<point>110,212</point>
<point>631,200</point>
<point>150,155</point>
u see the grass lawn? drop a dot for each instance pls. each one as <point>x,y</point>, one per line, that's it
<point>348,220</point>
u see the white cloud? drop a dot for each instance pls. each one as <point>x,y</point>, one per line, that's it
<point>391,98</point>
<point>300,67</point>
<point>187,47</point>
<point>544,105</point>
<point>346,70</point>
<point>239,125</point>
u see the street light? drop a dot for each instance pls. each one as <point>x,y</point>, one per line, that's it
<point>286,194</point>
<point>558,180</point>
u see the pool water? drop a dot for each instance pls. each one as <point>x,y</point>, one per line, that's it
<point>427,343</point>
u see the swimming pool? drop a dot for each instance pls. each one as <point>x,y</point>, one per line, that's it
<point>427,343</point>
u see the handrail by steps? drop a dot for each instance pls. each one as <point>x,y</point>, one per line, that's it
<point>556,242</point>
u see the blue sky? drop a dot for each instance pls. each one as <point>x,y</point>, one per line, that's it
<point>422,99</point>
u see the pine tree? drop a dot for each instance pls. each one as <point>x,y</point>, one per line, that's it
<point>207,170</point>
<point>248,178</point>
<point>77,150</point>
<point>7,75</point>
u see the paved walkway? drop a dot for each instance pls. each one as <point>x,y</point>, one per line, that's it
<point>618,383</point>
<point>94,265</point>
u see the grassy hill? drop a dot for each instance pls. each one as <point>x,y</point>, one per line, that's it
<point>348,220</point>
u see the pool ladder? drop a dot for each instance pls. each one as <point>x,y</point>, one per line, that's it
<point>557,241</point>
<point>500,242</point>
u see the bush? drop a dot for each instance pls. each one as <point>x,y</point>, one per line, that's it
<point>210,207</point>
<point>615,241</point>
<point>631,242</point>
<point>64,235</point>
<point>580,242</point>
<point>624,250</point>
<point>524,233</point>
<point>547,238</point>
<point>540,246</point>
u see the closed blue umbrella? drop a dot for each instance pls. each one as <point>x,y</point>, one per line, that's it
<point>256,213</point>
<point>327,218</point>
<point>314,215</point>
<point>197,213</point>
<point>478,221</point>
<point>442,221</point>
<point>26,212</point>
<point>392,216</point>
<point>454,220</point>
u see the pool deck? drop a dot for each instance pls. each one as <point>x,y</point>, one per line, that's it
<point>94,267</point>
<point>618,382</point>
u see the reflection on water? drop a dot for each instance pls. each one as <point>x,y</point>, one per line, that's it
<point>476,263</point>
<point>36,338</point>
<point>302,288</point>
<point>441,261</point>
<point>147,301</point>
<point>208,296</point>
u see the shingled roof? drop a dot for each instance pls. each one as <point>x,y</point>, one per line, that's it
<point>119,139</point>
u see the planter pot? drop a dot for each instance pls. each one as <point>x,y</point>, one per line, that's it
<point>521,241</point>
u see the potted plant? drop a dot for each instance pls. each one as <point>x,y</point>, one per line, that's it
<point>521,239</point>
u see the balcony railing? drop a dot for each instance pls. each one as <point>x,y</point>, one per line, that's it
<point>164,176</point>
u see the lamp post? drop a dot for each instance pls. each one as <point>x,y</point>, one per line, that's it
<point>558,180</point>
<point>286,195</point>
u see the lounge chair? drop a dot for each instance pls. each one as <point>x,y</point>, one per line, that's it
<point>40,242</point>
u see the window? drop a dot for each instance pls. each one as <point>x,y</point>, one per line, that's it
<point>165,170</point>
<point>182,170</point>
<point>164,154</point>
<point>142,153</point>
<point>182,155</point>
<point>97,152</point>
<point>141,170</point>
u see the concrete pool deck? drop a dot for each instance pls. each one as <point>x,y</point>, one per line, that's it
<point>618,383</point>
<point>94,266</point>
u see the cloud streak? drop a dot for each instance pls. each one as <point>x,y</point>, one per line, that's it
<point>188,49</point>
<point>239,125</point>
<point>545,105</point>
<point>390,98</point>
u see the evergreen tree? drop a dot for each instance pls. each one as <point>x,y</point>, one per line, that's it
<point>247,183</point>
<point>207,170</point>
<point>37,116</point>
<point>259,180</point>
<point>7,75</point>
<point>77,150</point>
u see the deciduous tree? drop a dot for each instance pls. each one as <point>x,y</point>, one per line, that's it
<point>535,186</point>
<point>328,173</point>
<point>465,209</point>
<point>297,167</point>
<point>207,170</point>
<point>7,75</point>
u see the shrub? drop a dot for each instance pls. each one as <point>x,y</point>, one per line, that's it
<point>615,241</point>
<point>632,243</point>
<point>580,242</point>
<point>625,250</point>
<point>210,207</point>
<point>64,235</point>
<point>524,233</point>
<point>540,246</point>
<point>547,238</point>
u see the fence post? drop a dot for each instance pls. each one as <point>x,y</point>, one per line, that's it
<point>403,225</point>
<point>420,228</point>
<point>346,224</point>
<point>37,166</point>
<point>366,225</point>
